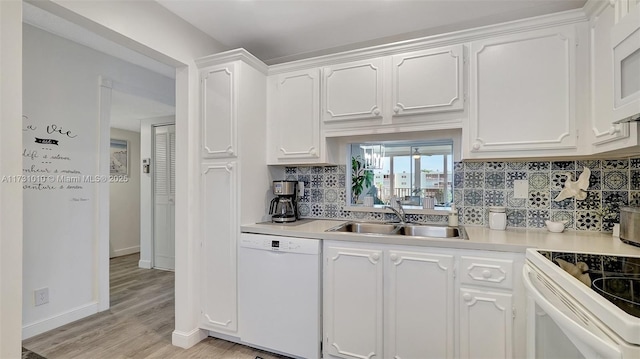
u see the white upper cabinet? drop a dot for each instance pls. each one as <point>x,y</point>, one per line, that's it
<point>428,81</point>
<point>294,117</point>
<point>625,40</point>
<point>353,90</point>
<point>396,93</point>
<point>523,95</point>
<point>601,133</point>
<point>218,111</point>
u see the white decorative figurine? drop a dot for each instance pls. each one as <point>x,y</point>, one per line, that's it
<point>577,189</point>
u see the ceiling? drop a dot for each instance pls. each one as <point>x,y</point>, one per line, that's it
<point>278,31</point>
<point>127,110</point>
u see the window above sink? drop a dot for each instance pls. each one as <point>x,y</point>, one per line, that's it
<point>407,171</point>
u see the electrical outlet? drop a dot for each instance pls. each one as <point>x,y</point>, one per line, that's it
<point>521,189</point>
<point>300,189</point>
<point>41,296</point>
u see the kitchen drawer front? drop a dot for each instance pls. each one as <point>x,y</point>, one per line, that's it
<point>496,273</point>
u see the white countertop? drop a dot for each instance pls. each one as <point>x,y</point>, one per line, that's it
<point>481,238</point>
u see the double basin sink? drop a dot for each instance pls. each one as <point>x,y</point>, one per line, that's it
<point>399,229</point>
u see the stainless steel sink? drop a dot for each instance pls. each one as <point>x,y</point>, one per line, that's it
<point>367,227</point>
<point>430,231</point>
<point>399,229</point>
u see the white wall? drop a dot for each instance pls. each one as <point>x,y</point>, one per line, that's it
<point>146,189</point>
<point>10,165</point>
<point>151,29</point>
<point>62,226</point>
<point>124,201</point>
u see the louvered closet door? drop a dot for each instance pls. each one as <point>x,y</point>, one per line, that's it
<point>164,195</point>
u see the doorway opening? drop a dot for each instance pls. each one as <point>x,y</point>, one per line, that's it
<point>142,207</point>
<point>125,89</point>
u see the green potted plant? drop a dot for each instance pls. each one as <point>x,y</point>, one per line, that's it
<point>361,177</point>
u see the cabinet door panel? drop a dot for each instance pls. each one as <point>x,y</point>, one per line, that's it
<point>218,254</point>
<point>428,81</point>
<point>523,92</point>
<point>353,298</point>
<point>297,116</point>
<point>219,111</point>
<point>625,38</point>
<point>486,324</point>
<point>419,322</point>
<point>353,91</point>
<point>605,136</point>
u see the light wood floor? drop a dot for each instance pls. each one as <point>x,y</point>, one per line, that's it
<point>138,325</point>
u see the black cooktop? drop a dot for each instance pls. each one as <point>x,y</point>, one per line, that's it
<point>615,278</point>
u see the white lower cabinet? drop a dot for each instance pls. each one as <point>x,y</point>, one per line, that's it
<point>352,301</point>
<point>375,300</point>
<point>416,280</point>
<point>486,324</point>
<point>404,302</point>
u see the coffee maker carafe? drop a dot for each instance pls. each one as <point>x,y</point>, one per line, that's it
<point>284,208</point>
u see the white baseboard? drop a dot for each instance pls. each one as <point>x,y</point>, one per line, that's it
<point>188,339</point>
<point>146,264</point>
<point>59,320</point>
<point>125,251</point>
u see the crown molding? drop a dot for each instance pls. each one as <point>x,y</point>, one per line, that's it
<point>453,38</point>
<point>232,55</point>
<point>594,8</point>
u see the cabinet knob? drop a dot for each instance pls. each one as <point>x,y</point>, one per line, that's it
<point>394,257</point>
<point>374,256</point>
<point>467,297</point>
<point>376,112</point>
<point>396,109</point>
<point>613,130</point>
<point>486,273</point>
<point>476,145</point>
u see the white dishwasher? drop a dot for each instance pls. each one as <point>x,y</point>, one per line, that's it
<point>279,294</point>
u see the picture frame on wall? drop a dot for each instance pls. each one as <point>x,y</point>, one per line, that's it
<point>119,157</point>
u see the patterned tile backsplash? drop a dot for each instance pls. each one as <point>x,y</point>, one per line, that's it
<point>325,196</point>
<point>480,185</point>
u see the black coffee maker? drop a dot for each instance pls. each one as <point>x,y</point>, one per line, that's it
<point>284,208</point>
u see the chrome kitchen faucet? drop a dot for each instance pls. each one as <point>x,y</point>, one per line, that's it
<point>402,216</point>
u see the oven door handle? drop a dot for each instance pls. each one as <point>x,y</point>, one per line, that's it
<point>588,343</point>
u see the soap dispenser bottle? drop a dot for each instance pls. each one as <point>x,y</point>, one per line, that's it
<point>453,216</point>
